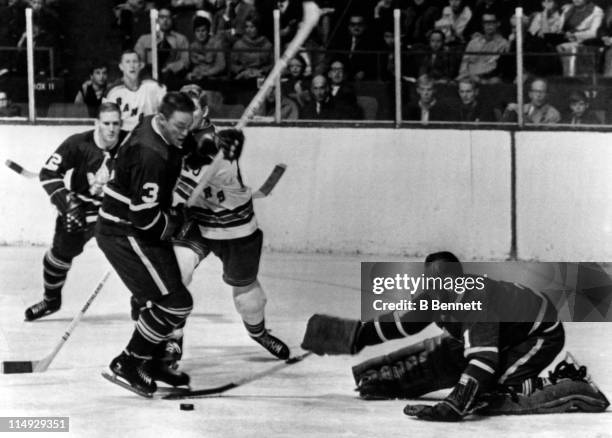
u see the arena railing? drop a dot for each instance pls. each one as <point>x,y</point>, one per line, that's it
<point>383,100</point>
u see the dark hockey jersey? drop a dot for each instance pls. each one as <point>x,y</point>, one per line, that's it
<point>511,313</point>
<point>90,165</point>
<point>139,194</point>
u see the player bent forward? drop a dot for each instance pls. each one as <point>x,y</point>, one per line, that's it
<point>135,225</point>
<point>493,367</point>
<point>89,155</point>
<point>222,221</point>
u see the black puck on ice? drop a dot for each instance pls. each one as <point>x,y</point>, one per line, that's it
<point>186,407</point>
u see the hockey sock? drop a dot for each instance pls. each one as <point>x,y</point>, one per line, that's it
<point>55,271</point>
<point>255,330</point>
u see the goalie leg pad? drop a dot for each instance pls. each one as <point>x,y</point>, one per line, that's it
<point>250,302</point>
<point>331,335</point>
<point>410,372</point>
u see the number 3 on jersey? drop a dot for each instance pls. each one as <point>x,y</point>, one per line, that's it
<point>151,191</point>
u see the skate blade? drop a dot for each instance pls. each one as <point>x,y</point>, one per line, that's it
<point>113,378</point>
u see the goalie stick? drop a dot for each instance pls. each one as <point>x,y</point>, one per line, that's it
<point>20,170</point>
<point>310,19</point>
<point>39,366</point>
<point>271,182</point>
<point>216,390</point>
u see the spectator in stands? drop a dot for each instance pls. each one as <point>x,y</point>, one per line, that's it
<point>483,68</point>
<point>206,52</point>
<point>322,106</point>
<point>12,22</point>
<point>173,49</point>
<point>581,21</point>
<point>295,85</point>
<point>231,20</point>
<point>455,18</point>
<point>267,111</point>
<point>470,109</point>
<point>252,53</point>
<point>133,21</point>
<point>7,108</point>
<point>537,111</point>
<point>547,21</point>
<point>580,114</point>
<point>502,9</point>
<point>420,17</point>
<point>93,89</point>
<point>427,108</point>
<point>361,66</point>
<point>341,90</point>
<point>605,36</point>
<point>437,63</point>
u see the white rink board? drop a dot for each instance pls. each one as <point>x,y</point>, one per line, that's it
<point>564,196</point>
<point>378,191</point>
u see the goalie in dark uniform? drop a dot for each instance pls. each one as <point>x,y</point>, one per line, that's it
<point>89,155</point>
<point>493,367</point>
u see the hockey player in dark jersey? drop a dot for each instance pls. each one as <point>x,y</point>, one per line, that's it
<point>478,356</point>
<point>135,225</point>
<point>222,221</point>
<point>88,155</point>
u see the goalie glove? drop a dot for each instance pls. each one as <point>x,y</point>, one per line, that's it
<point>331,335</point>
<point>71,210</point>
<point>458,404</point>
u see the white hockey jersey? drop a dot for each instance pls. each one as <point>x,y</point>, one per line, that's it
<point>224,209</point>
<point>134,104</point>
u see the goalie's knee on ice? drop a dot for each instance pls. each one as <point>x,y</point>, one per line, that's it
<point>250,299</point>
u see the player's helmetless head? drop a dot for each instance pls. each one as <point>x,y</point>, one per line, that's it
<point>175,117</point>
<point>108,124</point>
<point>130,65</point>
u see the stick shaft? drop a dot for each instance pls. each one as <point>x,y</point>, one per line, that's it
<point>44,364</point>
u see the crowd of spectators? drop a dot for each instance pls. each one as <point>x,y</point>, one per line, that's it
<point>226,46</point>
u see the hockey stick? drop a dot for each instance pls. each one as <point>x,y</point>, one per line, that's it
<point>39,366</point>
<point>309,21</point>
<point>200,393</point>
<point>271,182</point>
<point>20,170</point>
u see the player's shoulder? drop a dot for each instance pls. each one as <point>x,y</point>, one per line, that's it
<point>116,87</point>
<point>149,83</point>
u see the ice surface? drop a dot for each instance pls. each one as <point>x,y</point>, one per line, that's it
<point>312,398</point>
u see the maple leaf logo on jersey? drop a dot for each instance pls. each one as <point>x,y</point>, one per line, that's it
<point>98,180</point>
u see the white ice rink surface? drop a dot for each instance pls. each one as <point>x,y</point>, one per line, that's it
<point>314,398</point>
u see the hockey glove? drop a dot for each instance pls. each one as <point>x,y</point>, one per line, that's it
<point>331,335</point>
<point>71,210</point>
<point>230,141</point>
<point>200,150</point>
<point>174,221</point>
<point>457,405</point>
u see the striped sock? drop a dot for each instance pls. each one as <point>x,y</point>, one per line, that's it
<point>55,272</point>
<point>256,330</point>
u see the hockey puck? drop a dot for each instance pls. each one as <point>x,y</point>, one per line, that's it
<point>186,407</point>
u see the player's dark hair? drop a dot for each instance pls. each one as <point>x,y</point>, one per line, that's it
<point>443,262</point>
<point>176,101</point>
<point>108,107</point>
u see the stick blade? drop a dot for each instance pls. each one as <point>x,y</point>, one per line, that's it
<point>273,179</point>
<point>18,367</point>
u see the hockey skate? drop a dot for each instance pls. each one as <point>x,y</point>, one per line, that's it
<point>43,308</point>
<point>274,345</point>
<point>132,374</point>
<point>567,389</point>
<point>164,366</point>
